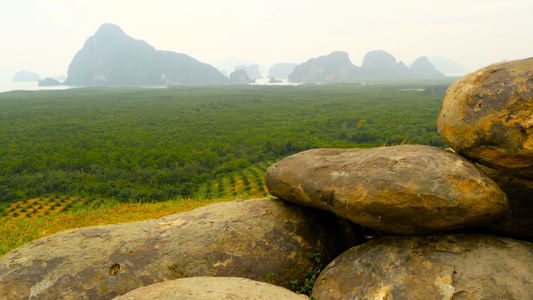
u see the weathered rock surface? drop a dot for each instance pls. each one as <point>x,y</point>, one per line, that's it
<point>240,238</point>
<point>211,288</point>
<point>409,189</point>
<point>517,222</point>
<point>487,116</point>
<point>434,267</point>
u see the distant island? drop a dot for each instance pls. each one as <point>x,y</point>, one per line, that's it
<point>111,58</point>
<point>26,76</point>
<point>376,64</point>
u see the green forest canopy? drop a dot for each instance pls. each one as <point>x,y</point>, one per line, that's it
<point>156,143</point>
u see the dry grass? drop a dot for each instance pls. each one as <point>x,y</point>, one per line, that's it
<point>15,232</point>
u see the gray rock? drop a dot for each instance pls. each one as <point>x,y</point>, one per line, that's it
<point>211,288</point>
<point>409,189</point>
<point>240,238</point>
<point>434,267</point>
<point>487,116</point>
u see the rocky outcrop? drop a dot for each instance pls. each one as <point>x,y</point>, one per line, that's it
<point>434,267</point>
<point>112,58</point>
<point>241,239</point>
<point>486,116</point>
<point>25,76</point>
<point>281,70</point>
<point>240,77</point>
<point>422,67</point>
<point>333,67</point>
<point>409,189</point>
<point>211,288</point>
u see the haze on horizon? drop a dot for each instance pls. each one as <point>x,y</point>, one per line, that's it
<point>43,36</point>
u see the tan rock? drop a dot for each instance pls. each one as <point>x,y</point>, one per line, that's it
<point>240,238</point>
<point>409,189</point>
<point>434,267</point>
<point>211,288</point>
<point>487,116</point>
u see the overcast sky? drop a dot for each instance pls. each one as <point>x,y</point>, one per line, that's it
<point>44,35</point>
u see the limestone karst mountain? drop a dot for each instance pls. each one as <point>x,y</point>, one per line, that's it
<point>240,76</point>
<point>376,64</point>
<point>422,67</point>
<point>26,76</point>
<point>332,67</point>
<point>112,58</point>
<point>381,64</point>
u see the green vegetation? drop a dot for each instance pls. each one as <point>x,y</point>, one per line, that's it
<point>133,144</point>
<point>308,283</point>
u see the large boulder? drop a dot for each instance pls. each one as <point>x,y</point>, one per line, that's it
<point>211,288</point>
<point>240,238</point>
<point>487,116</point>
<point>434,267</point>
<point>517,222</point>
<point>408,189</point>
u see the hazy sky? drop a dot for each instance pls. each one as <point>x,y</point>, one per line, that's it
<point>43,36</point>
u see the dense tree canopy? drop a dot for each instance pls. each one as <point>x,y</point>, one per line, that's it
<point>155,143</point>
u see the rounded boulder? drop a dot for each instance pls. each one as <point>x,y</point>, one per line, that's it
<point>487,116</point>
<point>211,288</point>
<point>250,239</point>
<point>432,267</point>
<point>408,189</point>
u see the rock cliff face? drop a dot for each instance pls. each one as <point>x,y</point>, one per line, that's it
<point>111,58</point>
